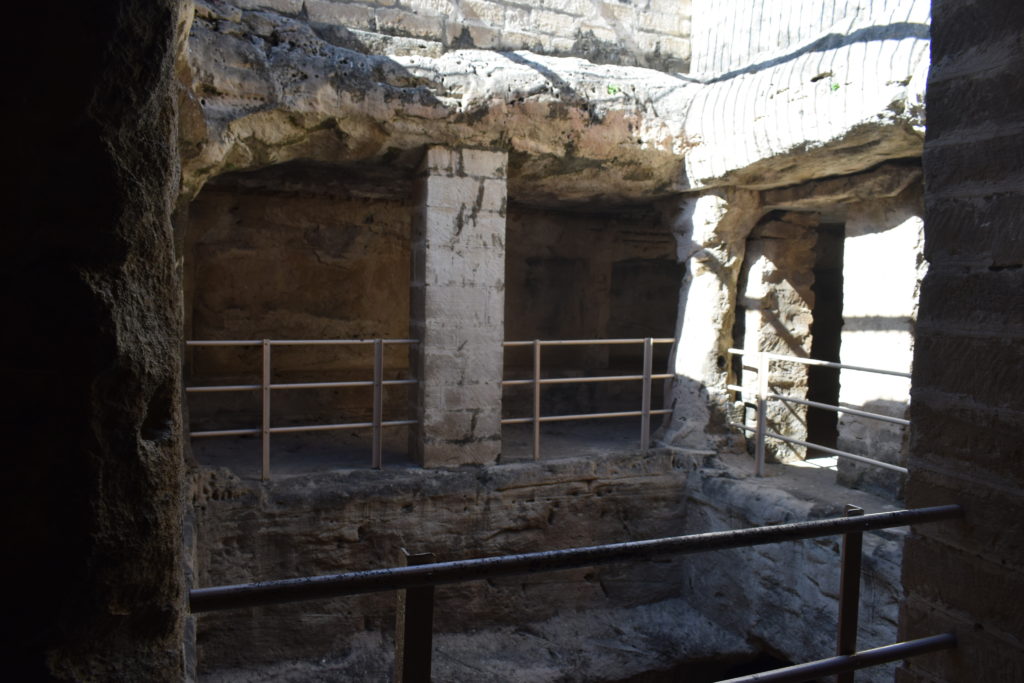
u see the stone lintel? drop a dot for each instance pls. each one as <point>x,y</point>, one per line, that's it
<point>885,181</point>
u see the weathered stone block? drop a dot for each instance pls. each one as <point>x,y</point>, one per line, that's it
<point>974,227</point>
<point>490,13</point>
<point>484,37</point>
<point>282,6</point>
<point>989,165</point>
<point>990,530</point>
<point>943,576</point>
<point>404,23</point>
<point>463,296</point>
<point>340,14</point>
<point>555,23</point>
<point>577,8</point>
<point>484,163</point>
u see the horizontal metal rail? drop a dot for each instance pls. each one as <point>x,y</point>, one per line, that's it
<point>588,342</point>
<point>435,574</point>
<point>841,409</point>
<point>763,394</point>
<point>330,385</point>
<point>826,449</point>
<point>296,385</point>
<point>294,342</point>
<point>223,387</point>
<point>223,432</point>
<point>537,382</point>
<point>823,363</point>
<point>859,660</point>
<point>583,380</point>
<point>583,416</point>
<point>266,387</point>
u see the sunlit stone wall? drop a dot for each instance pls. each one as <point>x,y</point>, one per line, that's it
<point>650,33</point>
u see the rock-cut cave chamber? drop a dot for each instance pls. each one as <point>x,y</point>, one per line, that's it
<point>617,204</point>
<point>750,181</point>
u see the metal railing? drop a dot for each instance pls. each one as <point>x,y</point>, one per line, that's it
<point>763,394</point>
<point>416,581</point>
<point>266,386</point>
<point>537,381</point>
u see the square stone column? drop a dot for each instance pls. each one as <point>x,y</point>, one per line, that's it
<point>458,306</point>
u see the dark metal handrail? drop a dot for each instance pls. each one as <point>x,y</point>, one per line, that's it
<point>399,578</point>
<point>853,662</point>
<point>416,584</point>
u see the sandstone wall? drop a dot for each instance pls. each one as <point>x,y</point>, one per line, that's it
<point>651,33</point>
<point>585,275</point>
<point>784,596</point>
<point>348,521</point>
<point>778,301</point>
<point>966,410</point>
<point>294,266</point>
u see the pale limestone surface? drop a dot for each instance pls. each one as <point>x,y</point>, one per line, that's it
<point>652,33</point>
<point>710,234</point>
<point>458,305</point>
<point>832,99</point>
<point>269,88</point>
<point>777,298</point>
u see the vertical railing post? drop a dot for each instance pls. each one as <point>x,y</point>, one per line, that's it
<point>414,627</point>
<point>265,411</point>
<point>536,399</point>
<point>849,593</point>
<point>645,401</point>
<point>762,413</point>
<point>378,401</point>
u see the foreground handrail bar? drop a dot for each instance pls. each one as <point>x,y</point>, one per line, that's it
<point>400,578</point>
<point>822,363</point>
<point>858,660</point>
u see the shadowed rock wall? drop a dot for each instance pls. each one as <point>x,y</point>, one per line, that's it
<point>967,411</point>
<point>349,521</point>
<point>91,358</point>
<point>273,265</point>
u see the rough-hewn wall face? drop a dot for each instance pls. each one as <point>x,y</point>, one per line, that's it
<point>651,33</point>
<point>250,531</point>
<point>966,408</point>
<point>90,357</point>
<point>294,266</point>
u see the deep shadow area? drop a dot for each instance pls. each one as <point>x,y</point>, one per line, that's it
<point>826,330</point>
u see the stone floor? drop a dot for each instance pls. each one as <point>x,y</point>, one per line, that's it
<point>300,454</point>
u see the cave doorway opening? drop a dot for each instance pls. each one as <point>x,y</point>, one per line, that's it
<point>298,251</point>
<point>790,301</point>
<point>586,273</point>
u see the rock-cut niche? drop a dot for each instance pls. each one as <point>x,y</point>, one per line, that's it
<point>298,251</point>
